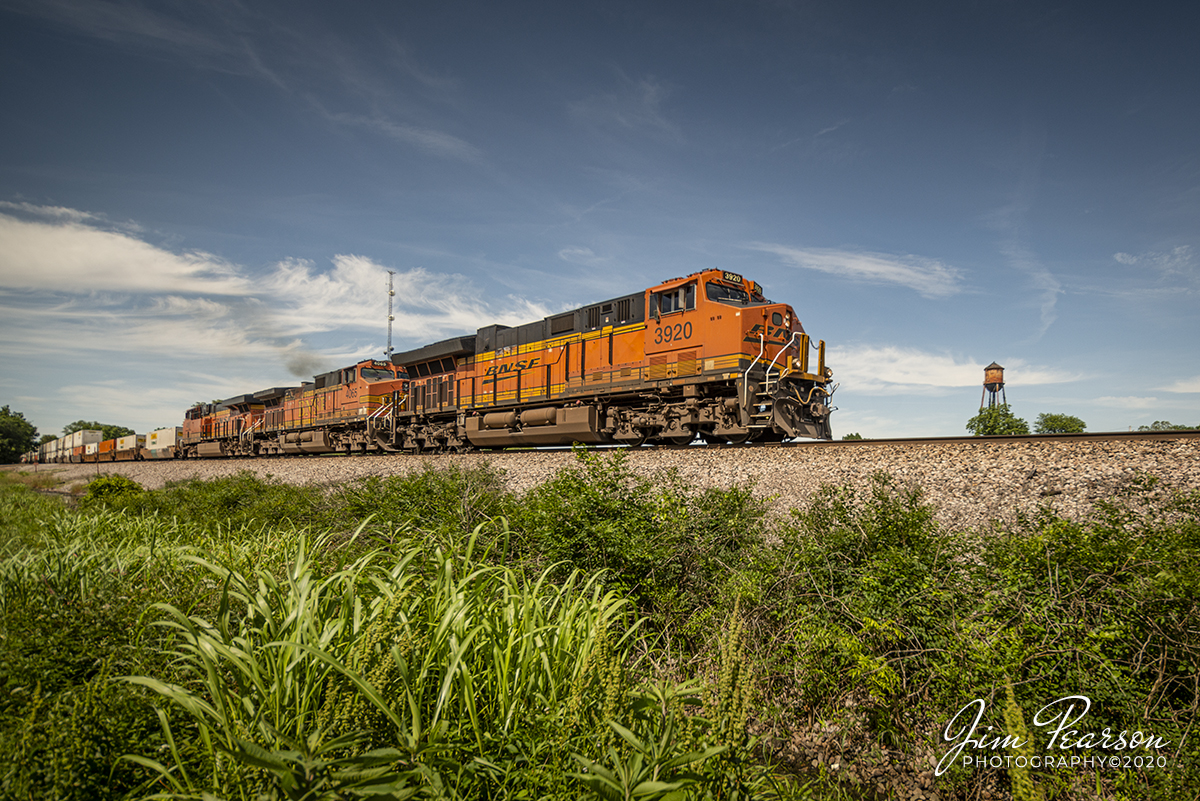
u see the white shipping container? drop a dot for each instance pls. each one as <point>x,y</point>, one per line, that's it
<point>73,440</point>
<point>89,436</point>
<point>90,448</point>
<point>164,438</point>
<point>130,442</point>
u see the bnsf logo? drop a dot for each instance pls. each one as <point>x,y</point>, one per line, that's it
<point>771,333</point>
<point>500,369</point>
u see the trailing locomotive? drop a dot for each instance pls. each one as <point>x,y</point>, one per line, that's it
<point>703,356</point>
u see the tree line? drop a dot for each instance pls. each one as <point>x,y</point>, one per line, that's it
<point>999,420</point>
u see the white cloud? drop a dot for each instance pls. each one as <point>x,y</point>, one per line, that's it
<point>1175,263</point>
<point>67,285</point>
<point>51,212</point>
<point>929,277</point>
<point>889,369</point>
<point>1183,385</point>
<point>580,255</point>
<point>1127,402</point>
<point>71,256</point>
<point>352,296</point>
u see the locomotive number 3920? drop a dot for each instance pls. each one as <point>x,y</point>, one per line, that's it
<point>671,333</point>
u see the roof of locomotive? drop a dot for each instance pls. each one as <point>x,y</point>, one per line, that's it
<point>455,346</point>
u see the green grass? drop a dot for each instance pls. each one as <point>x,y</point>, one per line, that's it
<point>603,635</point>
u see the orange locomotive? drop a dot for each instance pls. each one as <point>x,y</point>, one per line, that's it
<point>703,356</point>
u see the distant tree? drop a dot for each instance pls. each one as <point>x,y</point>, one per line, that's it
<point>852,436</point>
<point>1058,424</point>
<point>106,431</point>
<point>995,421</point>
<point>17,435</point>
<point>1163,425</point>
<point>47,438</point>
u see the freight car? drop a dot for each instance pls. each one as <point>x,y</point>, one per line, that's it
<point>704,356</point>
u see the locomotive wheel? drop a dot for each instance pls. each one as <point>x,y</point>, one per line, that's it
<point>634,443</point>
<point>738,439</point>
<point>681,441</point>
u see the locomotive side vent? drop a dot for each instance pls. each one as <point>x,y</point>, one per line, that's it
<point>562,323</point>
<point>687,362</point>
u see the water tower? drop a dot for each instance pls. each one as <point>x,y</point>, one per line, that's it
<point>993,386</point>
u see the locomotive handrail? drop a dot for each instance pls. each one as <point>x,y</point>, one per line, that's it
<point>762,347</point>
<point>780,353</point>
<point>246,433</point>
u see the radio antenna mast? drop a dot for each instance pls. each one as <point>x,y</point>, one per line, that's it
<point>391,294</point>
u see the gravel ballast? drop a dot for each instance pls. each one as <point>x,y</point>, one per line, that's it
<point>970,483</point>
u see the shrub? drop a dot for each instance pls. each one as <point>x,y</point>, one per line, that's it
<point>240,499</point>
<point>110,489</point>
<point>448,501</point>
<point>672,549</point>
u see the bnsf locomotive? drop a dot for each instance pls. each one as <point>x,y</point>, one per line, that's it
<point>703,356</point>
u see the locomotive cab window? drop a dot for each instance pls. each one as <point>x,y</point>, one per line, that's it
<point>674,300</point>
<point>720,293</point>
<point>372,374</point>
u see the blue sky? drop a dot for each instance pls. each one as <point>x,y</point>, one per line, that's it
<point>199,199</point>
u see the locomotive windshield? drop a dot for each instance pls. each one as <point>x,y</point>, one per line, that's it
<point>373,374</point>
<point>726,294</point>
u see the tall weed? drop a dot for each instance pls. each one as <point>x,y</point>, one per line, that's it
<point>460,673</point>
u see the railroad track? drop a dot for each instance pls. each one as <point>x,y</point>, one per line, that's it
<point>1099,436</point>
<point>1103,436</point>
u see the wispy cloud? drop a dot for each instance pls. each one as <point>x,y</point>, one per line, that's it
<point>581,255</point>
<point>432,141</point>
<point>1012,219</point>
<point>636,106</point>
<point>1176,267</point>
<point>208,35</point>
<point>387,92</point>
<point>1183,385</point>
<point>1127,401</point>
<point>810,138</point>
<point>874,370</point>
<point>118,21</point>
<point>929,277</point>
